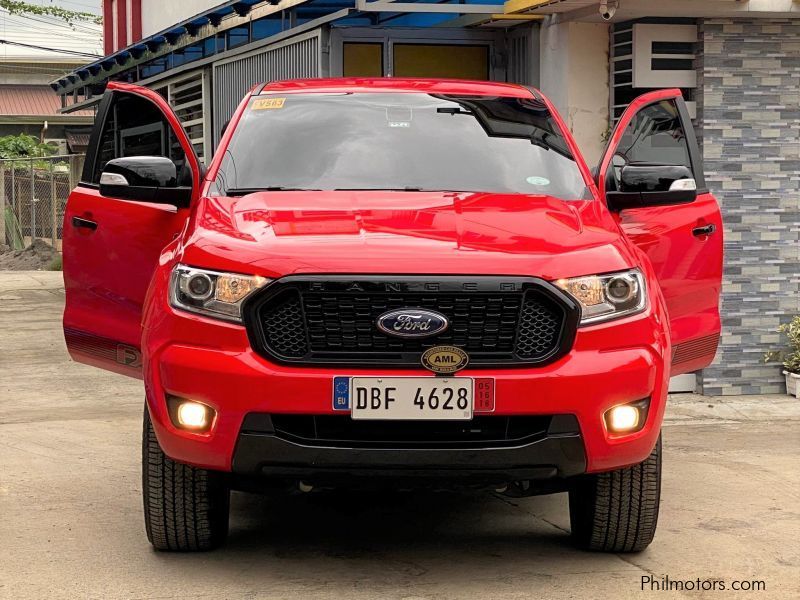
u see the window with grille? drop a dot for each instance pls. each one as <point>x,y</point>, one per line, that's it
<point>187,97</point>
<point>652,56</point>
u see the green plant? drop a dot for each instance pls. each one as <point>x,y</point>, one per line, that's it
<point>55,264</point>
<point>13,230</point>
<point>18,7</point>
<point>24,146</point>
<point>791,357</point>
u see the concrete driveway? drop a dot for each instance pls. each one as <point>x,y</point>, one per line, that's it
<point>71,523</point>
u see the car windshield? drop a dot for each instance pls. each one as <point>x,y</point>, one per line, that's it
<point>399,141</point>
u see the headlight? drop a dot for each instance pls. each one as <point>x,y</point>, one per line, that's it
<point>210,293</point>
<point>606,297</point>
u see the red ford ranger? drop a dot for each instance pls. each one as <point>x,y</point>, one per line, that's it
<point>394,282</point>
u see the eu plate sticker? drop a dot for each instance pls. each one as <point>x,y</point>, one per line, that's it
<point>341,393</point>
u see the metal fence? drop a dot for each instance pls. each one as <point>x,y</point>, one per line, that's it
<point>33,194</point>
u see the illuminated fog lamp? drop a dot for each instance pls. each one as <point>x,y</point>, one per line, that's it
<point>624,418</point>
<point>190,415</point>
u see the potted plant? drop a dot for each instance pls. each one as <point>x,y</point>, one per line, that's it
<point>791,357</point>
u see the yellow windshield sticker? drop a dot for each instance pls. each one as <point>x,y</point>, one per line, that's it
<point>268,103</point>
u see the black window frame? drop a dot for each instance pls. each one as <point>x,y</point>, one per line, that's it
<point>98,131</point>
<point>695,157</point>
<point>93,149</point>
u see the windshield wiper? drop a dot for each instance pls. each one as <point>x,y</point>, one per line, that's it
<point>267,188</point>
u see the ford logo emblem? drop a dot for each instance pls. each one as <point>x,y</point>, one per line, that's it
<point>412,323</point>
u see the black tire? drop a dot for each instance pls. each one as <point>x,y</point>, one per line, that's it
<point>617,511</point>
<point>185,508</point>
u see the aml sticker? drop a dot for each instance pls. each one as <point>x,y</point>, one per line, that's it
<point>268,103</point>
<point>444,359</point>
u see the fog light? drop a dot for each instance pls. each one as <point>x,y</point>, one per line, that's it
<point>627,418</point>
<point>623,418</point>
<point>192,415</point>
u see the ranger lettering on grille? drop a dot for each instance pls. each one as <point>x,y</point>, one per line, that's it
<point>426,286</point>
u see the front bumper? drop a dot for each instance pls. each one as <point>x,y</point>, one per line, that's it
<point>209,361</point>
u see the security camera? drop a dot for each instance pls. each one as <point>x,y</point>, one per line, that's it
<point>608,8</point>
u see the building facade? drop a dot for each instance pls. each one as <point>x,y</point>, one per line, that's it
<point>737,62</point>
<point>28,105</point>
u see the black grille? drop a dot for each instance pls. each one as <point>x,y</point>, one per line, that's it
<point>497,321</point>
<point>342,431</point>
<point>283,325</point>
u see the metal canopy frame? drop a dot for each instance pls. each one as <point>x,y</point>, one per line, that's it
<point>136,62</point>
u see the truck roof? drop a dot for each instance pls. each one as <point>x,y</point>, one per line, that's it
<point>397,85</point>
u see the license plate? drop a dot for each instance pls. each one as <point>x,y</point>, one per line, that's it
<point>407,398</point>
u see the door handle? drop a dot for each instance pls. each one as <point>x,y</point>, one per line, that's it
<point>85,223</point>
<point>704,230</point>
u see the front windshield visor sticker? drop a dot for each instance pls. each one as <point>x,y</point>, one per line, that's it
<point>268,103</point>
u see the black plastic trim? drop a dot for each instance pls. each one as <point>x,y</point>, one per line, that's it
<point>695,156</point>
<point>93,148</point>
<point>341,431</point>
<point>555,455</point>
<point>84,223</point>
<point>406,283</point>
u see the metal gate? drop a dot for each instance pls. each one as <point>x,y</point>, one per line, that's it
<point>298,57</point>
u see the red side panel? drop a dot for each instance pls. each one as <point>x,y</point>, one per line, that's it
<point>122,23</point>
<point>108,26</point>
<point>136,21</point>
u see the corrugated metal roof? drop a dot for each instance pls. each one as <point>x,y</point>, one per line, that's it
<point>31,100</point>
<point>77,140</point>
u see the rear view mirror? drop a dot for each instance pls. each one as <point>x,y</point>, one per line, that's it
<point>144,179</point>
<point>644,185</point>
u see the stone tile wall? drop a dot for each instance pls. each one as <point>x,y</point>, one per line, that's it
<point>749,126</point>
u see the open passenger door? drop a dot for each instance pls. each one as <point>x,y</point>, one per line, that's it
<point>140,176</point>
<point>651,177</point>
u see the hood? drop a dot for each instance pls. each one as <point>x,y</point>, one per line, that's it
<point>281,233</point>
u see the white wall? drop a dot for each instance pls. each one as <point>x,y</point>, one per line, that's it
<point>574,75</point>
<point>554,64</point>
<point>157,15</point>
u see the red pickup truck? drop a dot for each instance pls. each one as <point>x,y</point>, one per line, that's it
<point>394,283</point>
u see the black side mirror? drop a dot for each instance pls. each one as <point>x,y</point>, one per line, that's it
<point>644,185</point>
<point>145,179</point>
